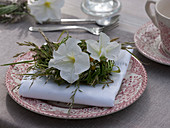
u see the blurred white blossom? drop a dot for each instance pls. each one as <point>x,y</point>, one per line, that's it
<point>44,10</point>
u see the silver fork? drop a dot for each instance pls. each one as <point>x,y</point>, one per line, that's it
<point>93,30</point>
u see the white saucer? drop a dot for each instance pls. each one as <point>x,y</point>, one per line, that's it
<point>148,42</point>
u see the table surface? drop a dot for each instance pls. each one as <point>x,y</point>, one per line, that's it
<point>151,110</point>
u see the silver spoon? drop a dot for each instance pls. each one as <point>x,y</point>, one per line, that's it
<point>101,22</point>
<point>108,20</point>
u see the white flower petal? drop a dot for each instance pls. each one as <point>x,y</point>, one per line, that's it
<point>72,46</point>
<point>70,77</point>
<point>62,50</point>
<point>82,63</point>
<point>103,52</point>
<point>62,64</point>
<point>50,14</point>
<point>103,40</point>
<point>113,50</point>
<point>55,4</point>
<point>36,2</point>
<point>57,14</point>
<point>38,14</point>
<point>60,53</point>
<point>93,48</point>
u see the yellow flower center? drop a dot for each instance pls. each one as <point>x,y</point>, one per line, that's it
<point>47,4</point>
<point>72,58</point>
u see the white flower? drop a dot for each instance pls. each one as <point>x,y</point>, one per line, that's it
<point>44,10</point>
<point>104,47</point>
<point>70,60</point>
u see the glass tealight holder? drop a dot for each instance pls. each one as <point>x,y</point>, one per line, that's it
<point>101,8</point>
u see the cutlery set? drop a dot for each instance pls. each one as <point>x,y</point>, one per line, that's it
<point>105,25</point>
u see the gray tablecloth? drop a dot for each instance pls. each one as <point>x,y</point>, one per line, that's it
<point>151,110</point>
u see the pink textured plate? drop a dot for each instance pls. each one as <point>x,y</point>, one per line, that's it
<point>148,42</point>
<point>133,85</point>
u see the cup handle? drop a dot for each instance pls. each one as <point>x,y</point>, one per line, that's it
<point>149,12</point>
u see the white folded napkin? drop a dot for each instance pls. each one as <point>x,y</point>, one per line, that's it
<point>95,96</point>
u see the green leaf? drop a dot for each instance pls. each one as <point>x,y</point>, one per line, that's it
<point>8,9</point>
<point>61,35</point>
<point>118,70</point>
<point>21,62</point>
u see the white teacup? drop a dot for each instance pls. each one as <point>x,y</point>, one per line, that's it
<point>161,19</point>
